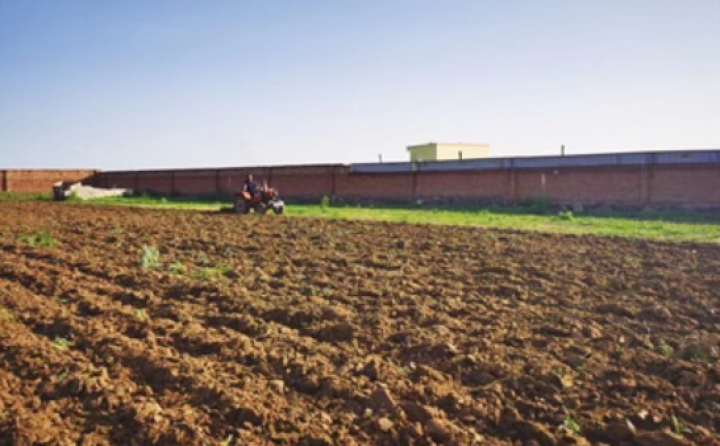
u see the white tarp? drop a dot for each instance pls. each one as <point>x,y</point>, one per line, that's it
<point>88,192</point>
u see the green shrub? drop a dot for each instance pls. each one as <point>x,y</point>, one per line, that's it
<point>566,215</point>
<point>539,204</point>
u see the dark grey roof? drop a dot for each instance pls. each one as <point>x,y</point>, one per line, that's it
<point>606,159</point>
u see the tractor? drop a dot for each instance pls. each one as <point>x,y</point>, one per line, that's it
<point>267,198</point>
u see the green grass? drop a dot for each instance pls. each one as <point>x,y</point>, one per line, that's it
<point>664,226</point>
<point>160,202</point>
<point>670,225</point>
<point>22,196</point>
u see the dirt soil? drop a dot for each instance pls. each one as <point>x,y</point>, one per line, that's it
<point>317,332</point>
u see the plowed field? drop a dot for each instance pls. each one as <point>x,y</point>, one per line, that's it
<point>318,332</point>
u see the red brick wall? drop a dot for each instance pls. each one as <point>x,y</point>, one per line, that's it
<point>364,185</point>
<point>40,180</point>
<point>122,180</point>
<point>298,181</point>
<point>306,182</point>
<point>587,185</point>
<point>489,185</point>
<point>196,182</point>
<point>159,182</point>
<point>685,186</point>
<point>658,185</point>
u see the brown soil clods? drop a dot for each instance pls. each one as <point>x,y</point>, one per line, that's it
<point>317,332</point>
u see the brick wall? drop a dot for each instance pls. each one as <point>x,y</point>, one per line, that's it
<point>588,185</point>
<point>377,186</point>
<point>489,185</point>
<point>308,182</point>
<point>39,180</point>
<point>682,185</point>
<point>693,186</point>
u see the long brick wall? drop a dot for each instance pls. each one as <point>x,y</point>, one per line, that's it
<point>676,186</point>
<point>40,180</point>
<point>671,180</point>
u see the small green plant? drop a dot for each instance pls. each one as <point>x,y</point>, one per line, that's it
<point>43,239</point>
<point>566,216</point>
<point>61,343</point>
<point>325,203</point>
<point>227,441</point>
<point>201,258</point>
<point>150,257</point>
<point>6,315</point>
<point>405,370</point>
<point>209,272</point>
<point>664,349</point>
<point>176,268</point>
<point>140,314</point>
<point>678,426</point>
<point>62,375</point>
<point>46,240</point>
<point>202,273</point>
<point>224,269</point>
<point>571,425</point>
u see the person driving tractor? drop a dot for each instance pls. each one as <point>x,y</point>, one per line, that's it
<point>258,198</point>
<point>251,186</point>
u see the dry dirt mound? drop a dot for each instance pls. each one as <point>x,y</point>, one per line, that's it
<point>315,332</point>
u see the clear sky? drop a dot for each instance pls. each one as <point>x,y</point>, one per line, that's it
<point>185,83</point>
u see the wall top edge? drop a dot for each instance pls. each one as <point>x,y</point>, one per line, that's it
<point>49,170</point>
<point>592,160</point>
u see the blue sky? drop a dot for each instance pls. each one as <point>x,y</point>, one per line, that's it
<point>145,84</point>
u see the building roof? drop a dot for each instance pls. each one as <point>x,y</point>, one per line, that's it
<point>418,146</point>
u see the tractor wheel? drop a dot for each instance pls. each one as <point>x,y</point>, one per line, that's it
<point>260,209</point>
<point>279,210</point>
<point>241,207</point>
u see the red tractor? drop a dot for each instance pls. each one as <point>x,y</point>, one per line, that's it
<point>267,198</point>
